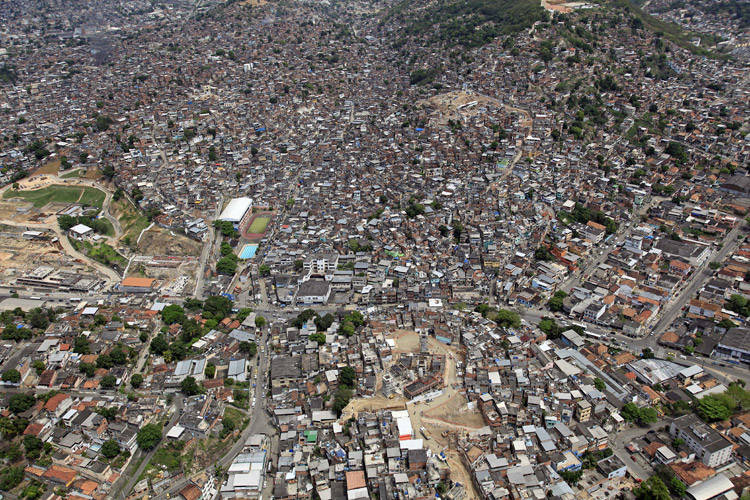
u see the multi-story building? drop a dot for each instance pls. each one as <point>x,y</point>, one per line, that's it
<point>710,447</point>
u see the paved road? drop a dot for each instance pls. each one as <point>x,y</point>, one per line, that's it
<point>108,272</point>
<point>260,423</point>
<point>211,244</point>
<point>621,439</point>
<point>600,254</point>
<point>697,281</point>
<point>132,478</point>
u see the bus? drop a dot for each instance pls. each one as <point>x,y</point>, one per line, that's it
<point>595,336</point>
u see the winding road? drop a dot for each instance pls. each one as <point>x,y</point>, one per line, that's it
<point>54,227</point>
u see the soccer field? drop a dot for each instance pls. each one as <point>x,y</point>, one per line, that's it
<point>259,225</point>
<point>60,194</point>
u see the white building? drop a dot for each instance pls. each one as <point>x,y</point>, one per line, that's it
<point>81,232</point>
<point>710,447</point>
<point>238,212</point>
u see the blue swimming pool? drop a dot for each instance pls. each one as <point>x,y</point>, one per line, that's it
<point>248,251</point>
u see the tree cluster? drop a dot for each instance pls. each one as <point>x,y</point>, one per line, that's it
<point>632,413</point>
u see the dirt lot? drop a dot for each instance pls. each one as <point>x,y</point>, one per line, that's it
<point>455,411</point>
<point>51,168</point>
<point>372,404</point>
<point>19,255</point>
<point>159,241</point>
<point>445,106</point>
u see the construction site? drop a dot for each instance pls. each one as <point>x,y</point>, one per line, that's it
<point>441,412</point>
<point>25,253</point>
<point>175,274</point>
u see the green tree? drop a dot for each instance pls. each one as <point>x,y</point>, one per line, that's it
<point>10,477</point>
<point>118,356</point>
<point>599,384</point>
<point>726,324</point>
<point>318,337</point>
<point>218,306</point>
<point>677,487</point>
<point>136,380</point>
<point>225,249</point>
<point>227,427</point>
<point>149,436</point>
<point>192,304</point>
<point>210,370</point>
<point>38,366</point>
<point>264,270</point>
<point>630,412</point>
<point>87,368</point>
<point>652,489</point>
<point>555,303</point>
<point>173,313</point>
<point>346,329</point>
<point>507,319</point>
<point>110,448</point>
<point>108,381</point>
<point>19,403</point>
<point>81,345</point>
<point>571,477</point>
<point>713,409</point>
<point>12,376</point>
<point>159,344</point>
<point>249,348</point>
<point>104,361</point>
<point>227,265</point>
<point>190,387</point>
<point>341,399</point>
<point>347,376</point>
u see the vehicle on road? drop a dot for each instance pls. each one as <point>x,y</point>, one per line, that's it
<point>632,457</point>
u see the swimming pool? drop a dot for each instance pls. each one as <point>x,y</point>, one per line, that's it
<point>248,251</point>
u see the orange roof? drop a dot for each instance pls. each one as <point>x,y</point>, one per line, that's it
<point>55,401</point>
<point>692,472</point>
<point>88,487</point>
<point>630,376</point>
<point>34,470</point>
<point>191,492</point>
<point>624,357</point>
<point>652,394</point>
<point>33,429</point>
<point>140,282</point>
<point>671,337</point>
<point>596,225</point>
<point>60,474</point>
<point>355,480</point>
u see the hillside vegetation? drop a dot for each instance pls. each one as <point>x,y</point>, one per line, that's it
<point>471,23</point>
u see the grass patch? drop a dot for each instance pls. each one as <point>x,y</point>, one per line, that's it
<point>131,220</point>
<point>671,31</point>
<point>234,414</point>
<point>93,197</point>
<point>259,225</point>
<point>59,194</point>
<point>110,228</point>
<point>167,457</point>
<point>51,168</point>
<point>101,253</point>
<point>72,175</point>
